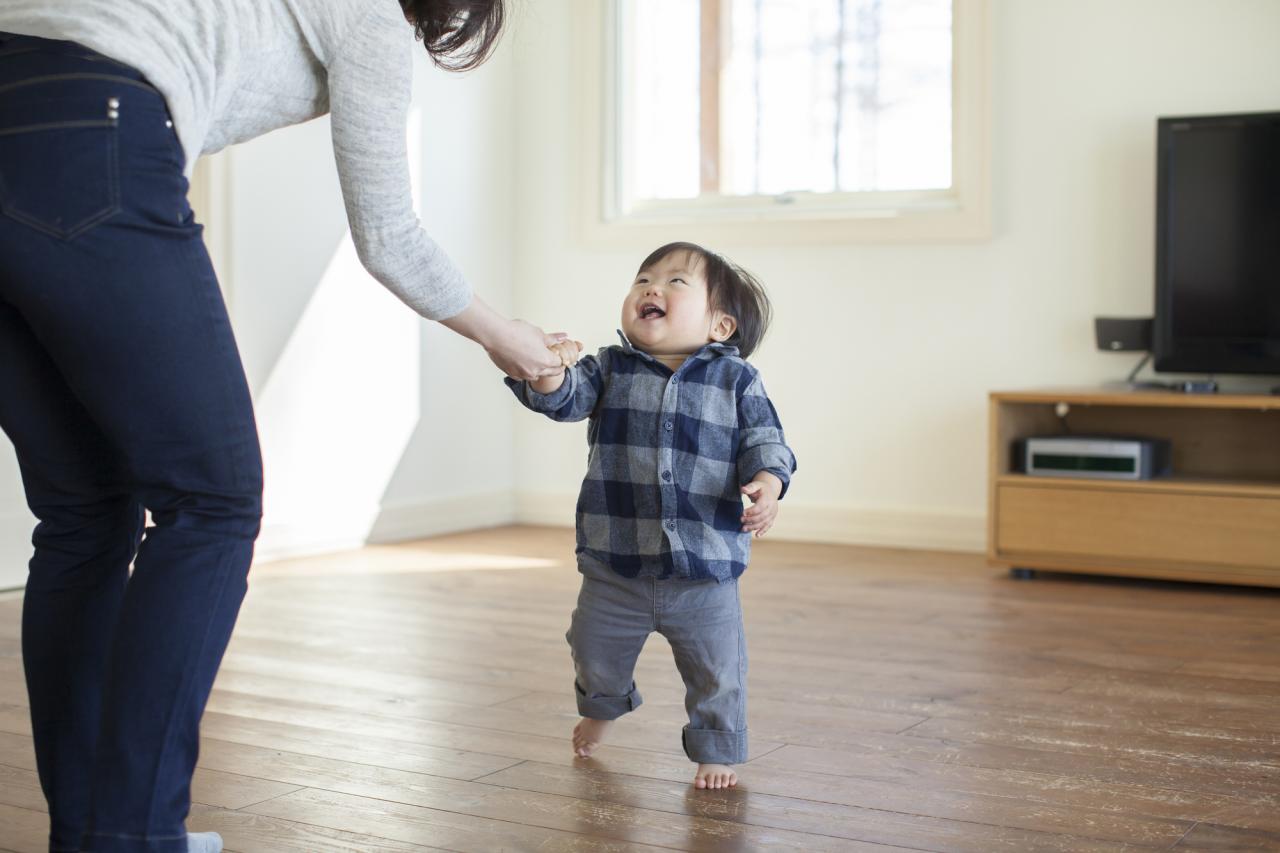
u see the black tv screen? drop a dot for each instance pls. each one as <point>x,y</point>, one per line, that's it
<point>1218,244</point>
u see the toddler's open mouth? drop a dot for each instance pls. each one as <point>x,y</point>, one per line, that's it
<point>650,311</point>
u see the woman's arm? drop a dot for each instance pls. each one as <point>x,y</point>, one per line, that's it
<point>370,83</point>
<point>519,349</point>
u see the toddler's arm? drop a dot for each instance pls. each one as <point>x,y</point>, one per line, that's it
<point>762,447</point>
<point>570,395</point>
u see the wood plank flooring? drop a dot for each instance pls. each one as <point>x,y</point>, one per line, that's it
<point>419,697</point>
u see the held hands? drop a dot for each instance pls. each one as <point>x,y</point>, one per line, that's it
<point>567,351</point>
<point>763,490</point>
<point>521,351</point>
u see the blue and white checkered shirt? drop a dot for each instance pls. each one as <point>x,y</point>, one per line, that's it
<point>668,455</point>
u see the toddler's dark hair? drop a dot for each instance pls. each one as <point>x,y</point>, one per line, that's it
<point>730,289</point>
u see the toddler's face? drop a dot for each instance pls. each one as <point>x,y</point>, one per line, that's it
<point>666,312</point>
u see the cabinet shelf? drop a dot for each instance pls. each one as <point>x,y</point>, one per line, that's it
<point>1173,484</point>
<point>1217,518</point>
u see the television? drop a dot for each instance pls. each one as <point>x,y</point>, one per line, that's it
<point>1218,244</point>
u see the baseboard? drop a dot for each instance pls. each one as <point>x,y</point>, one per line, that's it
<point>924,529</point>
<point>417,520</point>
<point>397,522</point>
<point>894,528</point>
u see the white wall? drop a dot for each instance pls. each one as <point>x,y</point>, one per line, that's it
<point>16,521</point>
<point>881,356</point>
<point>375,424</point>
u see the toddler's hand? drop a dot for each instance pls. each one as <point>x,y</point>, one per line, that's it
<point>567,351</point>
<point>764,507</point>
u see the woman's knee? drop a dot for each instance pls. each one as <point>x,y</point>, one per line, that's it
<point>224,503</point>
<point>80,542</point>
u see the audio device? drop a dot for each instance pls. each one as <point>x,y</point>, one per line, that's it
<point>1106,457</point>
<point>1123,334</point>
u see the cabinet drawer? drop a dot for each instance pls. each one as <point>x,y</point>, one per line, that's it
<point>1138,525</point>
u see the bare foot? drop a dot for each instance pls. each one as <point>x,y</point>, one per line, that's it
<point>715,776</point>
<point>588,734</point>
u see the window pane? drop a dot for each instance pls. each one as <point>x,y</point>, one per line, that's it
<point>663,92</point>
<point>815,96</point>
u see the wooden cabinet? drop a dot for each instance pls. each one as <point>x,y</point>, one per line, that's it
<point>1217,518</point>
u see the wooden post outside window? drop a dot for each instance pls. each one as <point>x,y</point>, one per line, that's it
<point>711,42</point>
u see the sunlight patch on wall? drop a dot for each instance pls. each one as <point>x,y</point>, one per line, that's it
<point>340,405</point>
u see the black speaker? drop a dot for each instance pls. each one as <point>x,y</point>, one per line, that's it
<point>1123,334</point>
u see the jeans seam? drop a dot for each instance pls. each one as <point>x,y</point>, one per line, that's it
<point>224,571</point>
<point>56,125</point>
<point>234,384</point>
<point>51,78</point>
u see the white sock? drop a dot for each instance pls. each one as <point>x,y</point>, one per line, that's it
<point>204,842</point>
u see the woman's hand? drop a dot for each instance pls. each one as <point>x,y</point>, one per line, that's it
<point>521,350</point>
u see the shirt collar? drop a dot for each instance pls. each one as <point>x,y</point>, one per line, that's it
<point>706,353</point>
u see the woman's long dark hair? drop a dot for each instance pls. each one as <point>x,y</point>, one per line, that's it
<point>459,34</point>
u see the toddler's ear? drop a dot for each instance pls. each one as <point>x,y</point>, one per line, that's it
<point>723,327</point>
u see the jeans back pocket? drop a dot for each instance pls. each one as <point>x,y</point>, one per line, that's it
<point>59,158</point>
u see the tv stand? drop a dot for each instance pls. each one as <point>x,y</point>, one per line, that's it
<point>1216,519</point>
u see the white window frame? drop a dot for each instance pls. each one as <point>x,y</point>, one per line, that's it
<point>961,213</point>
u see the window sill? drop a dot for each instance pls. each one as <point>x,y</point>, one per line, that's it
<point>758,226</point>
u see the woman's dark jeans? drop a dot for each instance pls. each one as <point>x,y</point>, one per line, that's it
<point>121,389</point>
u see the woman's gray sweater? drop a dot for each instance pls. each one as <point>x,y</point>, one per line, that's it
<point>231,70</point>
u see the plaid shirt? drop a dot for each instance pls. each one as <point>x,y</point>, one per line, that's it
<point>668,454</point>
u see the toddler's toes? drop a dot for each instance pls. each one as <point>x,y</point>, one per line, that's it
<point>715,776</point>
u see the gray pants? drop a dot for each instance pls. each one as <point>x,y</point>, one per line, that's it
<point>702,620</point>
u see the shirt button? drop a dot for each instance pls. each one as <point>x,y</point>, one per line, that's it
<point>666,475</point>
<point>671,524</point>
<point>669,425</point>
<point>675,379</point>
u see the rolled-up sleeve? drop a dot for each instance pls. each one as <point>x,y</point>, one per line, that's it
<point>370,86</point>
<point>762,446</point>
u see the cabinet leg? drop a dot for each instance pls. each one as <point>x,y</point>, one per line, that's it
<point>1022,574</point>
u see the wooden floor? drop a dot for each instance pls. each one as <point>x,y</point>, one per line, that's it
<point>419,697</point>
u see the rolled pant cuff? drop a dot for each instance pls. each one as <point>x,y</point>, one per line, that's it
<point>708,746</point>
<point>607,707</point>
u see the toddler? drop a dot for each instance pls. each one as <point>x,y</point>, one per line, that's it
<point>680,429</point>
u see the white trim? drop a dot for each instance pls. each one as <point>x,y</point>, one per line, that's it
<point>405,521</point>
<point>917,529</point>
<point>397,522</point>
<point>961,213</point>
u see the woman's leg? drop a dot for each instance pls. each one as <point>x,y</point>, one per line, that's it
<point>104,267</point>
<point>88,531</point>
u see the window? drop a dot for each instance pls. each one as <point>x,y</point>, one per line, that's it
<point>740,111</point>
